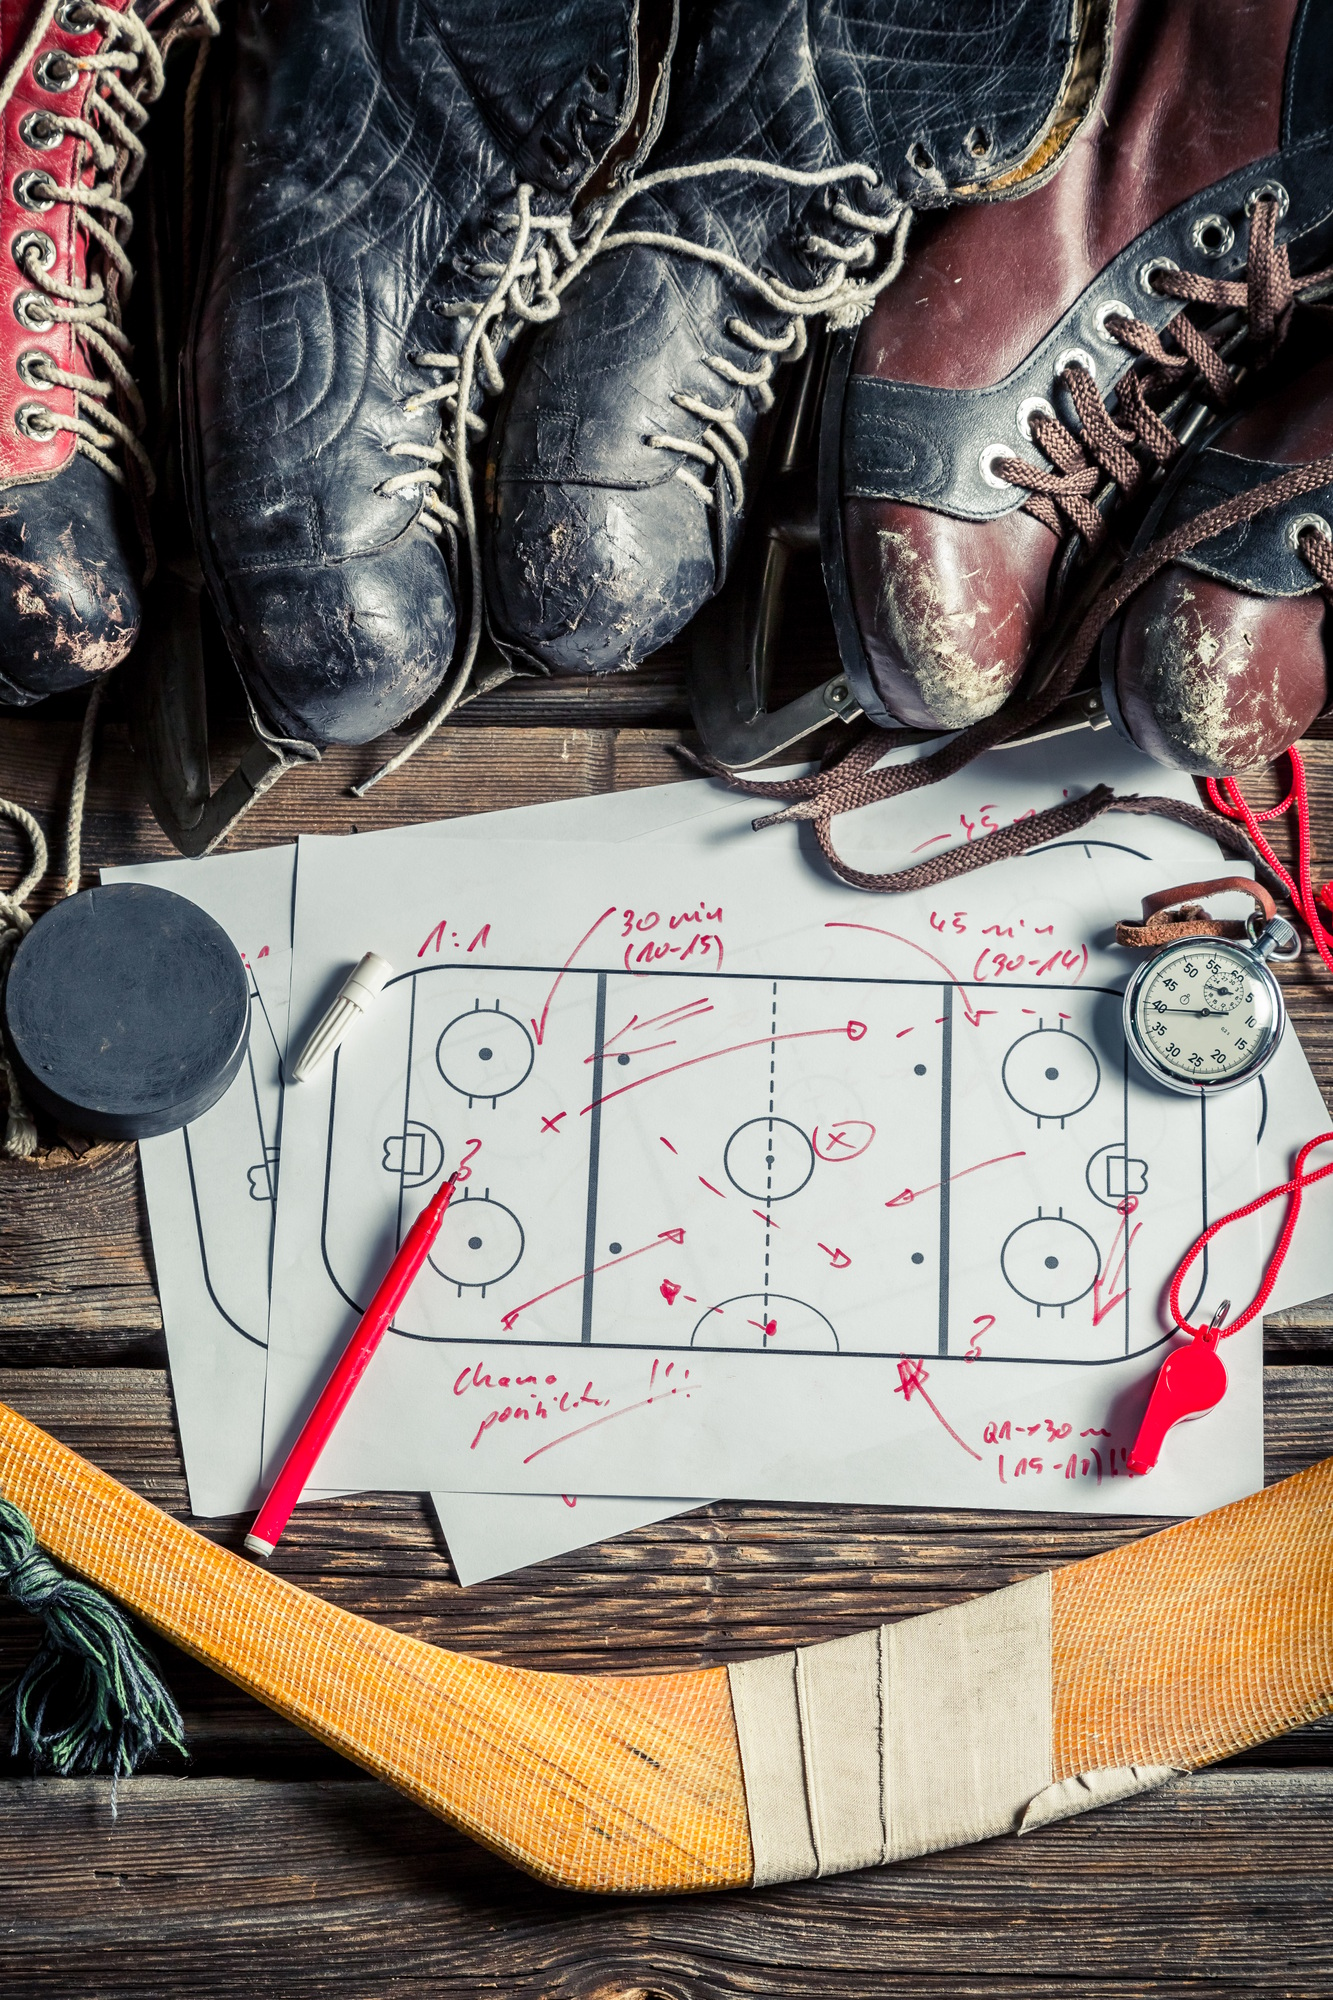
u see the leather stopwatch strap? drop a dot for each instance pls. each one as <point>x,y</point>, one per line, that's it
<point>1169,914</point>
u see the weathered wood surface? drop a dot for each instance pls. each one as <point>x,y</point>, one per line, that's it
<point>287,1889</point>
<point>245,1874</point>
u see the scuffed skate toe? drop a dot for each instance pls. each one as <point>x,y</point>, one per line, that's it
<point>948,610</point>
<point>1211,681</point>
<point>589,579</point>
<point>340,652</point>
<point>69,593</point>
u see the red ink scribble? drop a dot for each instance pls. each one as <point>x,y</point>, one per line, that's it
<point>550,1124</point>
<point>711,1189</point>
<point>1094,1433</point>
<point>674,1018</point>
<point>907,1031</point>
<point>463,1172</point>
<point>974,1345</point>
<point>768,1327</point>
<point>912,1380</point>
<point>263,951</point>
<point>1106,1280</point>
<point>610,1417</point>
<point>570,1499</point>
<point>911,946</point>
<point>837,1258</point>
<point>838,1145</point>
<point>1072,964</point>
<point>670,1148</point>
<point>663,1236</point>
<point>911,1194</point>
<point>854,1031</point>
<point>767,1220</point>
<point>435,937</point>
<point>669,1291</point>
<point>934,841</point>
<point>482,938</point>
<point>539,1027</point>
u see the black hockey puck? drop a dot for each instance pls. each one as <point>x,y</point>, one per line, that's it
<point>127,1011</point>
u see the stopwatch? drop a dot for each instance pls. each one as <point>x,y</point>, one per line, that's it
<point>1206,1013</point>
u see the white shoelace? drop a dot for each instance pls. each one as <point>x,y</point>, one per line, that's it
<point>128,77</point>
<point>543,262</point>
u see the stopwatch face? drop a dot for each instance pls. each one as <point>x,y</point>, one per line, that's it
<point>1204,1014</point>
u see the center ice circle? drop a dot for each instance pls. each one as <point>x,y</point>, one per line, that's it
<point>769,1159</point>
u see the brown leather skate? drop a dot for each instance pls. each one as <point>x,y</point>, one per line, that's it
<point>1000,427</point>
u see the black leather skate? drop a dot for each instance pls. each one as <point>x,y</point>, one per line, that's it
<point>798,140</point>
<point>391,203</point>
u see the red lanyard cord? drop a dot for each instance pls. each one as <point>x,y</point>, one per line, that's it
<point>1294,1189</point>
<point>1226,797</point>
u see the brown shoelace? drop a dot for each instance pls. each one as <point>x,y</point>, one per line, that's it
<point>1063,494</point>
<point>853,780</point>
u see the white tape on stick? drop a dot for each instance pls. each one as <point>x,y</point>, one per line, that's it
<point>921,1735</point>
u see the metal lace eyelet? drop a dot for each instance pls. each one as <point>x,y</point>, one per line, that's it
<point>41,131</point>
<point>33,368</point>
<point>56,72</point>
<point>986,463</point>
<point>32,190</point>
<point>77,18</point>
<point>33,246</point>
<point>31,310</point>
<point>1148,271</point>
<point>1268,191</point>
<point>1113,309</point>
<point>1296,528</point>
<point>35,421</point>
<point>1212,235</point>
<point>1076,357</point>
<point>1030,407</point>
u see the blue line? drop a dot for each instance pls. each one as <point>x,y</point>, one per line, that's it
<point>594,1156</point>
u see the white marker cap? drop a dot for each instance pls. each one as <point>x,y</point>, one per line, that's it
<point>358,990</point>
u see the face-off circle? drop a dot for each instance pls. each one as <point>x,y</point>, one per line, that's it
<point>1050,1261</point>
<point>1051,1074</point>
<point>769,1159</point>
<point>480,1242</point>
<point>484,1053</point>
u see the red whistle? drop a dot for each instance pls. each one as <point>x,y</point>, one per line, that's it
<point>1191,1381</point>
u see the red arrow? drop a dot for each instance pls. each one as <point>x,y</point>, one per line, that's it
<point>663,1236</point>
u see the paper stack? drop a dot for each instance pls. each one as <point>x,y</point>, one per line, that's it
<point>774,1189</point>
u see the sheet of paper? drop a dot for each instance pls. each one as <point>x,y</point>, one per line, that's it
<point>786,915</point>
<point>213,1362</point>
<point>211,1188</point>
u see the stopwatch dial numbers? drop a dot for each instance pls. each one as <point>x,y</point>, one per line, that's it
<point>1202,1014</point>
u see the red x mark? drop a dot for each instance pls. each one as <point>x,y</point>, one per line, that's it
<point>549,1124</point>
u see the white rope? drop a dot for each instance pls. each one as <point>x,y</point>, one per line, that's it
<point>78,792</point>
<point>527,287</point>
<point>20,1140</point>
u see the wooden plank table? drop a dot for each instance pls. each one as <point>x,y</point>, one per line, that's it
<point>269,1867</point>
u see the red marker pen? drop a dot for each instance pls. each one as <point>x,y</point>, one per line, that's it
<point>319,1426</point>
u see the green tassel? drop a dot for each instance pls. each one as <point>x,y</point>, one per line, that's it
<point>119,1711</point>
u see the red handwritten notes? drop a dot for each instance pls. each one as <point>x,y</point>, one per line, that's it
<point>442,938</point>
<point>649,936</point>
<point>534,1397</point>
